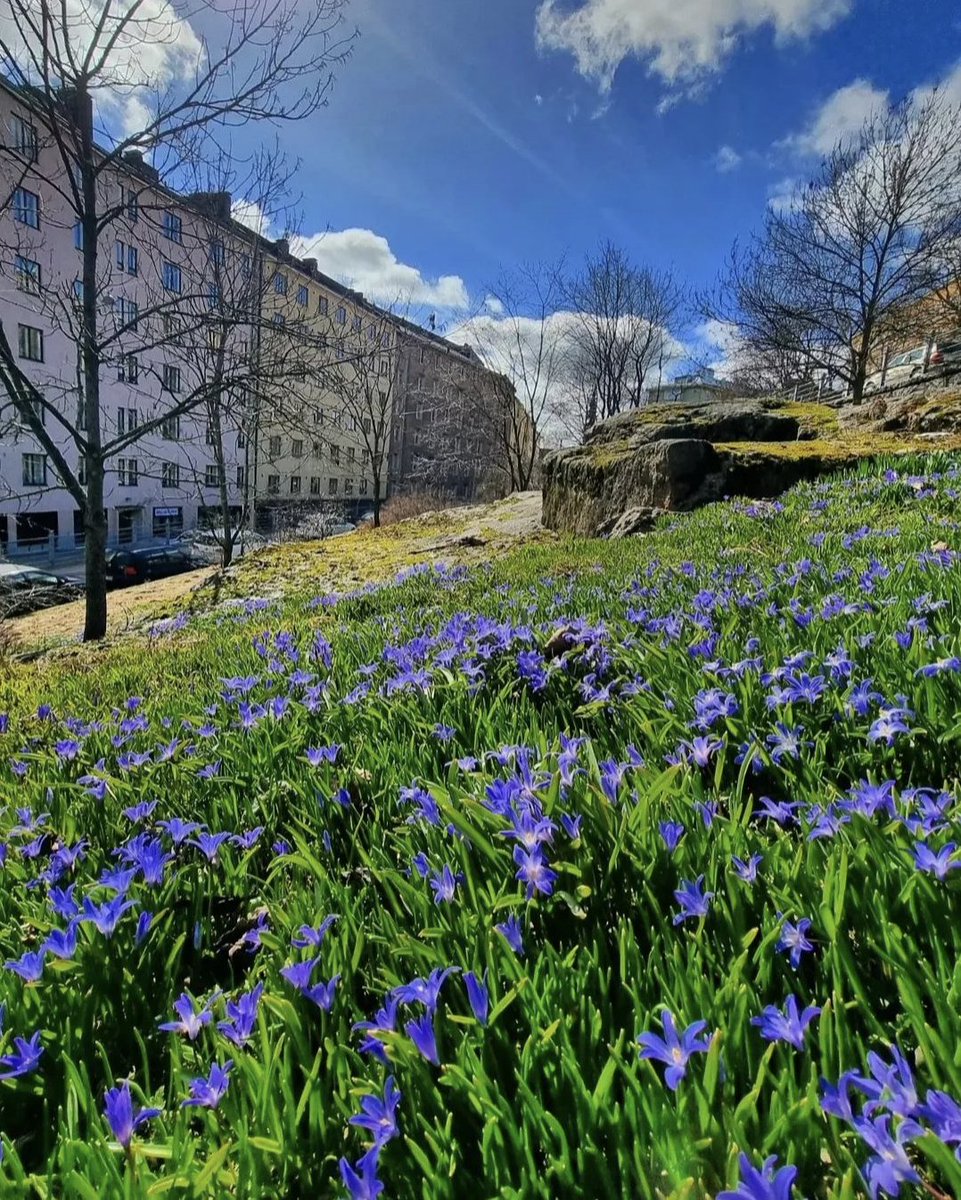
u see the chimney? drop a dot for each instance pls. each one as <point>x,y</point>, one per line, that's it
<point>283,247</point>
<point>135,161</point>
<point>310,265</point>
<point>212,204</point>
<point>76,108</point>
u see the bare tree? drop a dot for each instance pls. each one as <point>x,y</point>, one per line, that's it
<point>521,336</point>
<point>846,263</point>
<point>622,317</point>
<point>272,62</point>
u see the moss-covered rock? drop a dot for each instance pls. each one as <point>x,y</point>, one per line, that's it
<point>678,457</point>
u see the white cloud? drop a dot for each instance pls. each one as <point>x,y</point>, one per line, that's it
<point>249,213</point>
<point>782,194</point>
<point>679,40</point>
<point>493,306</point>
<point>839,119</point>
<point>362,259</point>
<point>727,159</point>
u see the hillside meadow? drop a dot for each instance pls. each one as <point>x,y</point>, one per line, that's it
<point>603,869</point>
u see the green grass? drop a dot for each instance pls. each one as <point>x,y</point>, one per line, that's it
<point>550,1098</point>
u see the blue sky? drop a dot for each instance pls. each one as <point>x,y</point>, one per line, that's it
<point>464,135</point>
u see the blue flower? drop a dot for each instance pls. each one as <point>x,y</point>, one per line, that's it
<point>62,943</point>
<point>891,1166</point>
<point>209,843</point>
<point>477,994</point>
<point>694,901</point>
<point>361,1181</point>
<point>671,833</point>
<point>29,967</point>
<point>747,870</point>
<point>787,1026</point>
<point>242,1016</point>
<point>118,1110</point>
<point>444,884</point>
<point>424,991</point>
<point>510,930</point>
<point>106,916</point>
<point>208,1093</point>
<point>192,1020</point>
<point>379,1116</point>
<point>770,1183</point>
<point>307,936</point>
<point>534,871</point>
<point>673,1050</point>
<point>793,939</point>
<point>936,863</point>
<point>421,1033</point>
<point>24,1059</point>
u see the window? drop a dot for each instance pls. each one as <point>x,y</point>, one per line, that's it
<point>240,477</point>
<point>24,138</point>
<point>82,472</point>
<point>315,485</point>
<point>335,454</point>
<point>209,435</point>
<point>169,475</point>
<point>28,275</point>
<point>363,487</point>
<point>170,428</point>
<point>212,475</point>
<point>126,258</point>
<point>78,236</point>
<point>274,447</point>
<point>295,485</point>
<point>217,254</point>
<point>30,342</point>
<point>357,324</point>
<point>171,378</point>
<point>348,487</point>
<point>332,487</point>
<point>318,449</point>
<point>365,424</point>
<point>280,284</point>
<point>78,292</point>
<point>128,469</point>
<point>172,328</point>
<point>341,315</point>
<point>172,277</point>
<point>173,227</point>
<point>213,295</point>
<point>241,441</point>
<point>323,306</point>
<point>245,265</point>
<point>298,448</point>
<point>273,485</point>
<point>127,312</point>
<point>351,455</point>
<point>279,319</point>
<point>128,369</point>
<point>318,416</point>
<point>26,208</point>
<point>131,419</point>
<point>34,470</point>
<point>130,202</point>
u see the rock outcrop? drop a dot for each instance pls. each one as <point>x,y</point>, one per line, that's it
<point>671,457</point>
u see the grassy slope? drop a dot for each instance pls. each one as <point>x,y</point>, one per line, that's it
<point>550,1099</point>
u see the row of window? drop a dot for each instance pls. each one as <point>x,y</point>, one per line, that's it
<point>275,450</point>
<point>30,346</point>
<point>296,486</point>
<point>36,471</point>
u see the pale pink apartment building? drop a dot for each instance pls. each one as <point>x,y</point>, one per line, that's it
<point>161,250</point>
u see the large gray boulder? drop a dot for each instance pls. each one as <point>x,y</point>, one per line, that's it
<point>677,457</point>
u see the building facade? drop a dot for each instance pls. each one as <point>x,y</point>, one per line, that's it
<point>154,280</point>
<point>445,440</point>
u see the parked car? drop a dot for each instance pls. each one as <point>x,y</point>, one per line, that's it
<point>149,562</point>
<point>26,589</point>
<point>909,364</point>
<point>210,543</point>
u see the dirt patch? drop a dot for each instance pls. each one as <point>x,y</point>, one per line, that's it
<point>460,535</point>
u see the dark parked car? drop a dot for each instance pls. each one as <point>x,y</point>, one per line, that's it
<point>26,589</point>
<point>151,562</point>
